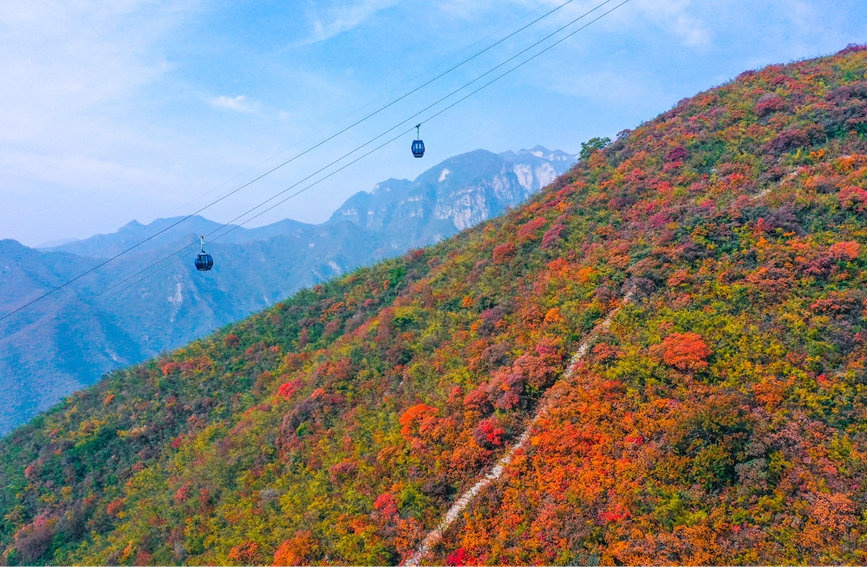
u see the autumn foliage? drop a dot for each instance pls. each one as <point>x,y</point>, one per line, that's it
<point>302,549</point>
<point>719,418</point>
<point>686,351</point>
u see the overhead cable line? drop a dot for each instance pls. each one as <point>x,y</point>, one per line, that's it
<point>174,255</point>
<point>432,105</point>
<point>438,113</point>
<point>283,164</point>
<point>360,108</point>
<point>408,119</point>
<point>452,105</point>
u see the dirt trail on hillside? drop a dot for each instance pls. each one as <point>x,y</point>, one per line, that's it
<point>461,504</point>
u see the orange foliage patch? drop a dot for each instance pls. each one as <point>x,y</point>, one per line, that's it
<point>503,252</point>
<point>686,351</point>
<point>300,550</point>
<point>418,420</point>
<point>848,250</point>
<point>553,315</point>
<point>114,507</point>
<point>169,368</point>
<point>244,553</point>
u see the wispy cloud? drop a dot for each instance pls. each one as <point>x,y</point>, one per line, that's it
<point>66,59</point>
<point>678,17</point>
<point>605,87</point>
<point>75,83</point>
<point>344,17</point>
<point>692,31</point>
<point>238,103</point>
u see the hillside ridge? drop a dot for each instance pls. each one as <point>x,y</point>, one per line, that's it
<point>717,417</point>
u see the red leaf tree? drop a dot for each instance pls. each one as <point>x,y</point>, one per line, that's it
<point>686,351</point>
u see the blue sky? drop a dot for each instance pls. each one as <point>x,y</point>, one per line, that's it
<point>130,109</point>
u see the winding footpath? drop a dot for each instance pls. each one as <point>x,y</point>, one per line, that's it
<point>461,504</point>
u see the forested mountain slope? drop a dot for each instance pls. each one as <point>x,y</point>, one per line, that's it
<point>720,418</point>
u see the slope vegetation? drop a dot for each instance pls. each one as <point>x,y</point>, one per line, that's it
<point>719,418</point>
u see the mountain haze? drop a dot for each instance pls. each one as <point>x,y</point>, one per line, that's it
<point>131,234</point>
<point>43,357</point>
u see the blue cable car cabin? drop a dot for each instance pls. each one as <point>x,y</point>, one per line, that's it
<point>204,261</point>
<point>418,148</point>
<point>417,145</point>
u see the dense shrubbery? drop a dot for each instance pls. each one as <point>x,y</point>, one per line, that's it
<point>720,419</point>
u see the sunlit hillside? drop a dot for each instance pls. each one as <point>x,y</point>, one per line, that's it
<point>720,418</point>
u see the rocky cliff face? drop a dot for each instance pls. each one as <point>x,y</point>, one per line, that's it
<point>538,166</point>
<point>453,195</point>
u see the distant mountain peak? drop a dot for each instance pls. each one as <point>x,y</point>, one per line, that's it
<point>455,193</point>
<point>541,152</point>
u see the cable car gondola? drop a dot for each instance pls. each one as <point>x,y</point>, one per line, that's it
<point>204,261</point>
<point>417,145</point>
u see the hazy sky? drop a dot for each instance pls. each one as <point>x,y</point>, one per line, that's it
<point>129,109</point>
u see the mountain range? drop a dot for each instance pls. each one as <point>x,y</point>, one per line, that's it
<point>73,337</point>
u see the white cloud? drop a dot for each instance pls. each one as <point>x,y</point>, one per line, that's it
<point>71,100</point>
<point>61,60</point>
<point>78,171</point>
<point>238,103</point>
<point>344,17</point>
<point>604,86</point>
<point>678,17</point>
<point>692,31</point>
